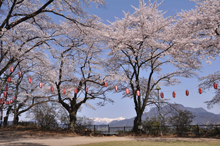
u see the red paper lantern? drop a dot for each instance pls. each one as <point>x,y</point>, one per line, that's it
<point>200,90</point>
<point>5,94</point>
<point>116,88</point>
<point>3,98</point>
<point>5,102</point>
<point>75,90</point>
<point>106,84</point>
<point>138,93</point>
<point>13,98</point>
<point>1,102</point>
<point>40,85</point>
<point>6,88</point>
<point>87,89</point>
<point>20,74</point>
<point>51,88</point>
<point>161,95</point>
<point>64,91</point>
<point>187,93</point>
<point>12,69</point>
<point>11,101</point>
<point>174,94</point>
<point>29,79</point>
<point>127,91</point>
<point>9,79</point>
<point>215,86</point>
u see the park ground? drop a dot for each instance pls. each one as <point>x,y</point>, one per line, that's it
<point>14,137</point>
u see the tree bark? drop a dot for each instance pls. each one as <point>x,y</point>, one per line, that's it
<point>5,123</point>
<point>73,119</point>
<point>1,116</point>
<point>16,119</point>
<point>137,122</point>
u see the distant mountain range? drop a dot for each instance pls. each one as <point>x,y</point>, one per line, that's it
<point>201,116</point>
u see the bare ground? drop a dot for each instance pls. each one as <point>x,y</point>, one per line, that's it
<point>13,137</point>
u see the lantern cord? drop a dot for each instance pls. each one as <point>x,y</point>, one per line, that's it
<point>181,89</point>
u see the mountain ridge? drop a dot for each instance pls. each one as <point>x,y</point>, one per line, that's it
<point>201,116</point>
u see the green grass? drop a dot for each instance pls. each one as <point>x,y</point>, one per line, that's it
<point>146,143</point>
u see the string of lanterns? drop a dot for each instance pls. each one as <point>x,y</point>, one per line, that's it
<point>2,100</point>
<point>187,91</point>
<point>173,93</point>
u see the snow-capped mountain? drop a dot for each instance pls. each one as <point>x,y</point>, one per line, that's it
<point>103,121</point>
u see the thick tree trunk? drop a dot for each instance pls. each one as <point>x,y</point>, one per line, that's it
<point>1,116</point>
<point>73,120</point>
<point>137,122</point>
<point>5,123</point>
<point>16,119</point>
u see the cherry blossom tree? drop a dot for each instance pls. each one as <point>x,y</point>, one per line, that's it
<point>141,46</point>
<point>29,94</point>
<point>76,72</point>
<point>25,92</point>
<point>203,24</point>
<point>26,29</point>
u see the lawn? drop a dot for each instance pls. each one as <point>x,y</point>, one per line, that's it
<point>147,143</point>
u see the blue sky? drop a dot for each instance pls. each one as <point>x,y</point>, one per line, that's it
<point>125,107</point>
<point>115,8</point>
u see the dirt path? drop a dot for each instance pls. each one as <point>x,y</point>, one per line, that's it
<point>71,141</point>
<point>9,137</point>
